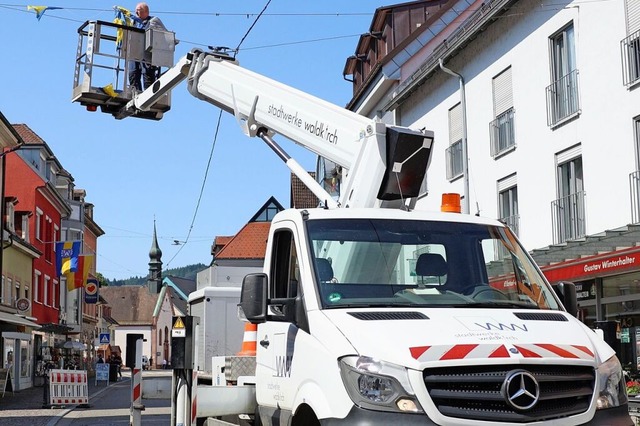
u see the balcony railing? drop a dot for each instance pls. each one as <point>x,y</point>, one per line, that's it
<point>502,133</point>
<point>454,160</point>
<point>630,52</point>
<point>634,191</point>
<point>568,217</point>
<point>562,98</point>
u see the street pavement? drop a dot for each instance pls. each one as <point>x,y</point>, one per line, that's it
<point>108,405</point>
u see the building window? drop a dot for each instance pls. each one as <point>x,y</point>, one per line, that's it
<point>25,228</point>
<point>634,177</point>
<point>10,215</point>
<point>630,45</point>
<point>56,293</point>
<point>49,245</point>
<point>2,292</point>
<point>568,211</point>
<point>17,292</point>
<point>508,203</point>
<point>454,151</point>
<point>562,94</point>
<point>11,301</point>
<point>37,287</point>
<point>46,284</point>
<point>502,130</point>
<point>38,224</point>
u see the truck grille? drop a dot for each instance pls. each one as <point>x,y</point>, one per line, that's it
<point>476,392</point>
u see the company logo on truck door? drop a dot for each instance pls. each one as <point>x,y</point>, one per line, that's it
<point>482,351</point>
<point>283,361</point>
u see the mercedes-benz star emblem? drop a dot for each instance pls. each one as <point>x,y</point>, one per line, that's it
<point>521,390</point>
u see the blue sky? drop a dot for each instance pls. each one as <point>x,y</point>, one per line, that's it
<point>136,170</point>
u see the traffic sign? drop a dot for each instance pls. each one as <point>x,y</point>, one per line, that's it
<point>178,329</point>
<point>105,338</point>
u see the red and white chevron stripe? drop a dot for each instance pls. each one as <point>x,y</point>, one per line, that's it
<point>136,388</point>
<point>194,398</point>
<point>495,350</point>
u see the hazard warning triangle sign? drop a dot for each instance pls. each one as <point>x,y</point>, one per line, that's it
<point>178,323</point>
<point>178,329</point>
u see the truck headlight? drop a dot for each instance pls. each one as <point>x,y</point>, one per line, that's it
<point>378,385</point>
<point>612,390</point>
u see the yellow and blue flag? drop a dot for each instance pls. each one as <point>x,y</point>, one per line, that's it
<point>78,278</point>
<point>67,253</point>
<point>41,9</point>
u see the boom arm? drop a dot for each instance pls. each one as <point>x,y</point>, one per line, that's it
<point>351,140</point>
<point>381,163</point>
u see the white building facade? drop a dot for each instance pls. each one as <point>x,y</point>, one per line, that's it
<point>544,98</point>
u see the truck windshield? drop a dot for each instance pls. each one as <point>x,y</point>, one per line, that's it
<point>383,262</point>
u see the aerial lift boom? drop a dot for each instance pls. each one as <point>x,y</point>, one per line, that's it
<point>384,165</point>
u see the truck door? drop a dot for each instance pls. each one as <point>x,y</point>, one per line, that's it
<point>277,337</point>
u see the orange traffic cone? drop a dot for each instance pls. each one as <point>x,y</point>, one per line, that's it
<point>250,340</point>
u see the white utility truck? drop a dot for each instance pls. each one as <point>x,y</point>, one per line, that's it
<point>370,312</point>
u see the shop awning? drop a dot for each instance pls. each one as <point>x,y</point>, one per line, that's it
<point>16,320</point>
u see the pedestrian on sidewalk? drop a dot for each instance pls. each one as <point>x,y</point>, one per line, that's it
<point>164,364</point>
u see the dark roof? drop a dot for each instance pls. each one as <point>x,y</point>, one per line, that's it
<point>185,285</point>
<point>130,304</point>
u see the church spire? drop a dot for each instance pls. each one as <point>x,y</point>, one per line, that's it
<point>154,281</point>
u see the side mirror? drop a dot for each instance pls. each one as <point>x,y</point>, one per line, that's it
<point>253,297</point>
<point>566,291</point>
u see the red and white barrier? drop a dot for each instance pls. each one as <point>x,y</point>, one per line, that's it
<point>194,398</point>
<point>136,395</point>
<point>67,387</point>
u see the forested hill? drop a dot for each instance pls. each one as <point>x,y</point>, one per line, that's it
<point>188,272</point>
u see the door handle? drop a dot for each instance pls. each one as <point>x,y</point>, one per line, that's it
<point>264,343</point>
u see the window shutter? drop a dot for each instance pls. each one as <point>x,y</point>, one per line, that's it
<point>508,182</point>
<point>633,16</point>
<point>569,154</point>
<point>455,124</point>
<point>503,92</point>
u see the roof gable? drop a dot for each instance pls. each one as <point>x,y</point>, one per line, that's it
<point>130,304</point>
<point>267,211</point>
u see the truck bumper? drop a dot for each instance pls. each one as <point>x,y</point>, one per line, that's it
<point>618,416</point>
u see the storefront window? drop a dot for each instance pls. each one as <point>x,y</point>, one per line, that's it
<point>621,303</point>
<point>25,359</point>
<point>8,353</point>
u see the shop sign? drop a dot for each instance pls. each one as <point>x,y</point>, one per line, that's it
<point>585,290</point>
<point>595,266</point>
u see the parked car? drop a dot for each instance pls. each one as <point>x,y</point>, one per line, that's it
<point>145,362</point>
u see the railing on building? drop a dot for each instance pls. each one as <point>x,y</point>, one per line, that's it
<point>562,98</point>
<point>630,53</point>
<point>634,192</point>
<point>454,160</point>
<point>502,133</point>
<point>568,217</point>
